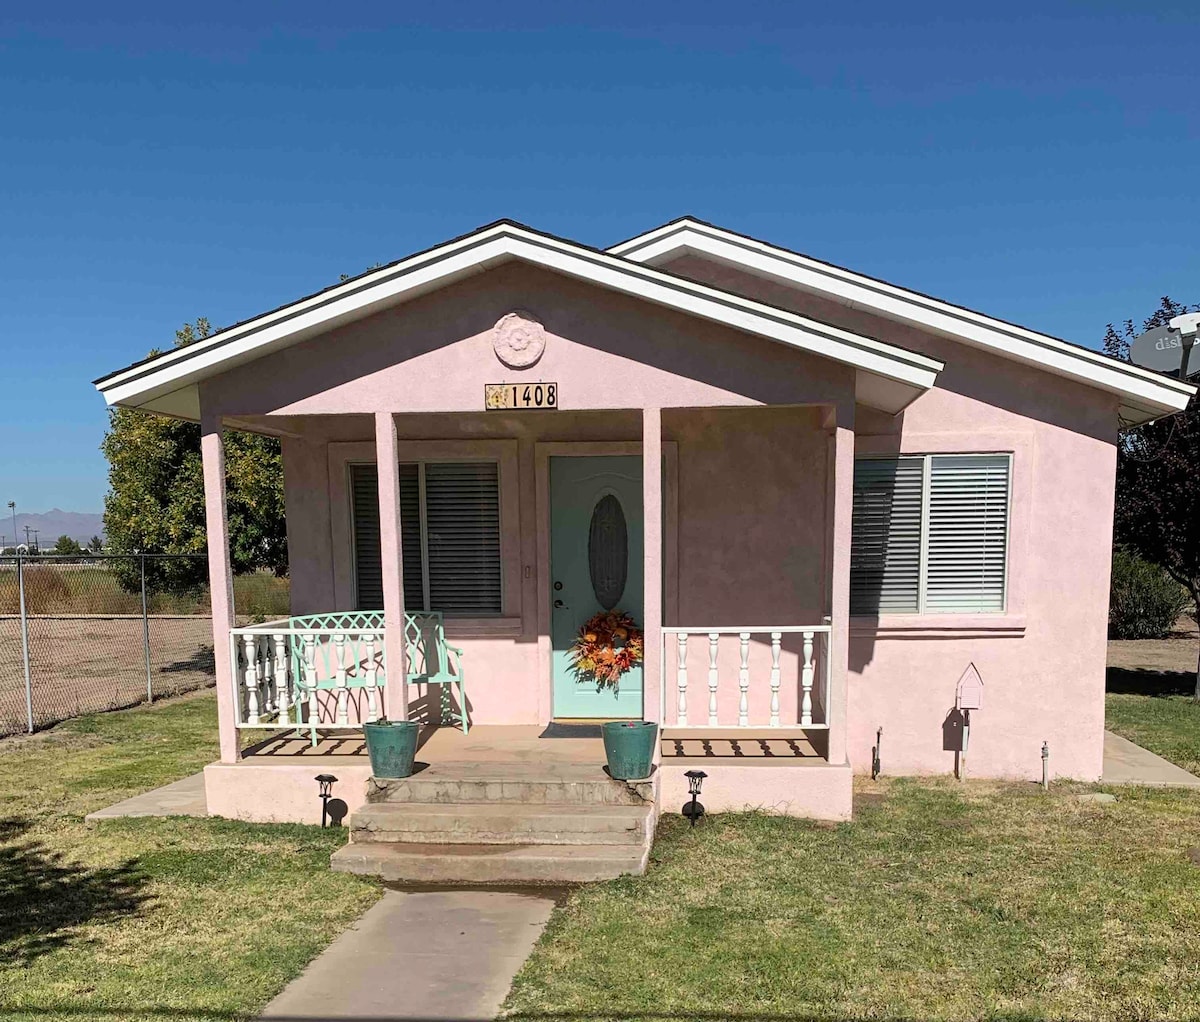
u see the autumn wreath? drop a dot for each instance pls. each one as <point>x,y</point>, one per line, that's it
<point>607,646</point>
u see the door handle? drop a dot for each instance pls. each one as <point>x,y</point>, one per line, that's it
<point>559,605</point>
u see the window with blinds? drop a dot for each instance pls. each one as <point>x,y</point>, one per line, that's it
<point>930,534</point>
<point>450,533</point>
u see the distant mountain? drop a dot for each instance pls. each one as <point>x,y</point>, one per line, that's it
<point>79,525</point>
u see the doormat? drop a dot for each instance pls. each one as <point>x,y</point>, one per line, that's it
<point>557,730</point>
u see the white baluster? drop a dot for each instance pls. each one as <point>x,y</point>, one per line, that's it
<point>310,676</point>
<point>372,678</point>
<point>270,699</point>
<point>714,640</point>
<point>282,695</point>
<point>806,680</point>
<point>744,681</point>
<point>339,682</point>
<point>776,640</point>
<point>681,677</point>
<point>250,644</point>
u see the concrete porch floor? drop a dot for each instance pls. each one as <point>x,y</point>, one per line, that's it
<point>543,744</point>
<point>486,743</point>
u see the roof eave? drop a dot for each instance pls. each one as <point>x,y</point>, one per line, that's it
<point>1145,394</point>
<point>144,383</point>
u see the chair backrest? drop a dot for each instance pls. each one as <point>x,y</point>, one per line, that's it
<point>354,625</point>
<point>424,642</point>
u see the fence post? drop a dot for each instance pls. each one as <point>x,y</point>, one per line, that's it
<point>146,631</point>
<point>25,639</point>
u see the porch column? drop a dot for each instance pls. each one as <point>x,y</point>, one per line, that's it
<point>841,449</point>
<point>220,579</point>
<point>652,594</point>
<point>387,460</point>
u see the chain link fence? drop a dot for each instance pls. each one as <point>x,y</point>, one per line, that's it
<point>83,634</point>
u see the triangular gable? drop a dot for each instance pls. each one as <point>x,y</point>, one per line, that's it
<point>1144,394</point>
<point>888,377</point>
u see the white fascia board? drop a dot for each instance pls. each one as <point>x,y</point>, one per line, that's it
<point>1145,394</point>
<point>182,367</point>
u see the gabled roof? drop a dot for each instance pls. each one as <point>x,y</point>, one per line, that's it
<point>888,377</point>
<point>1144,394</point>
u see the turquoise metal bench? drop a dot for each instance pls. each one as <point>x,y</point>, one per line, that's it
<point>343,654</point>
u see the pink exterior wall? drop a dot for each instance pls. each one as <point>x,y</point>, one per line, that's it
<point>760,517</point>
<point>816,790</point>
<point>1043,660</point>
<point>281,792</point>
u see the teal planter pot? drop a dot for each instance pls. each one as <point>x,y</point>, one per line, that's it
<point>629,748</point>
<point>392,746</point>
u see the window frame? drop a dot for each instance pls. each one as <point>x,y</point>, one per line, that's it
<point>922,610</point>
<point>342,455</point>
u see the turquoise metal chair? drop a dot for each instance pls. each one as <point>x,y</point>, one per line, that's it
<point>356,665</point>
<point>433,661</point>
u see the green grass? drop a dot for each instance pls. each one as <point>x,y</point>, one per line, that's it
<point>149,919</point>
<point>1167,724</point>
<point>940,901</point>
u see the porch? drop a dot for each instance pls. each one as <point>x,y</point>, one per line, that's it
<point>484,641</point>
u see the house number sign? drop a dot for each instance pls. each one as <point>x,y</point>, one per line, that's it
<point>520,395</point>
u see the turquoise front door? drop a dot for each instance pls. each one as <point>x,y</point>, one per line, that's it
<point>596,552</point>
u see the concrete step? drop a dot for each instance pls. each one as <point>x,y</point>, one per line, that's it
<point>498,823</point>
<point>565,784</point>
<point>490,864</point>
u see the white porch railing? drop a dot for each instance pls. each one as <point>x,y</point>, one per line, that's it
<point>743,677</point>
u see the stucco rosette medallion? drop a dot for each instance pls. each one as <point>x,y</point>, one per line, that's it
<point>519,339</point>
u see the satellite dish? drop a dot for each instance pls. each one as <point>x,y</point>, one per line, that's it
<point>1160,349</point>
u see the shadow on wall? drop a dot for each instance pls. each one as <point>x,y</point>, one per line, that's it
<point>46,899</point>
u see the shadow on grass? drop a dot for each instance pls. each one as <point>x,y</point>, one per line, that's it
<point>1145,682</point>
<point>44,900</point>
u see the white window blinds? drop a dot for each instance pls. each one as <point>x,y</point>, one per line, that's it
<point>450,535</point>
<point>930,534</point>
<point>968,533</point>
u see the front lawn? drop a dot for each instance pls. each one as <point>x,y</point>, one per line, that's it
<point>1149,700</point>
<point>184,919</point>
<point>940,901</point>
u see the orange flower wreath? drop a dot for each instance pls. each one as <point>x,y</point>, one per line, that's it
<point>607,646</point>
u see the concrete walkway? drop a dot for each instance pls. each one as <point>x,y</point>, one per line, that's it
<point>183,798</point>
<point>1127,763</point>
<point>420,956</point>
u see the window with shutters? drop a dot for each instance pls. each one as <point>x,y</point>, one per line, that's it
<point>930,534</point>
<point>450,536</point>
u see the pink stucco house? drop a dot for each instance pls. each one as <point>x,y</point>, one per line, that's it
<point>822,498</point>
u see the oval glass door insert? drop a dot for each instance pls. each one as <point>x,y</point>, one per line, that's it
<point>608,551</point>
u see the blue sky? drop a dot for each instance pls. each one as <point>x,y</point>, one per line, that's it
<point>1040,162</point>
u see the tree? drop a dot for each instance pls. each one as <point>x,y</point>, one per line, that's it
<point>1158,478</point>
<point>95,545</point>
<point>155,501</point>
<point>66,545</point>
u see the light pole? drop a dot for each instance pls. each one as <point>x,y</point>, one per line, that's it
<point>12,506</point>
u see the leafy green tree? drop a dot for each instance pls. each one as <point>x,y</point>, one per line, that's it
<point>66,545</point>
<point>1158,478</point>
<point>155,501</point>
<point>95,545</point>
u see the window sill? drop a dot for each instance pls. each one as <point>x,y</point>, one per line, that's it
<point>483,627</point>
<point>933,626</point>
